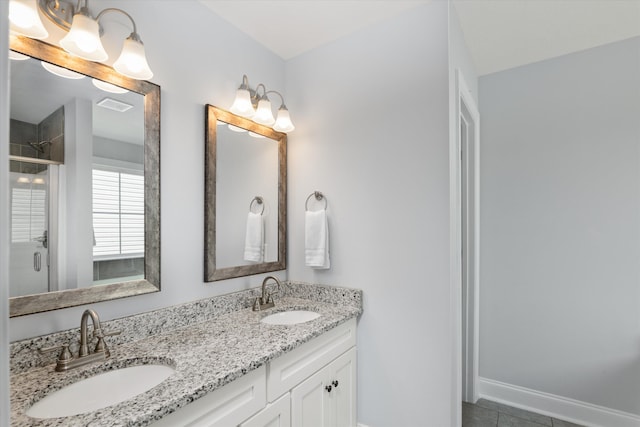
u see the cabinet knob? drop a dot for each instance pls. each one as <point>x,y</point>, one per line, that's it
<point>328,388</point>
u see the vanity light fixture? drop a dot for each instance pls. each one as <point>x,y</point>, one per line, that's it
<point>256,106</point>
<point>83,37</point>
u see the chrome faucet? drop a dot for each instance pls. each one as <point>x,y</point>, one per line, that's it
<point>266,300</point>
<point>67,361</point>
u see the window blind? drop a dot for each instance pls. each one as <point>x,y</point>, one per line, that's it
<point>28,214</point>
<point>118,213</point>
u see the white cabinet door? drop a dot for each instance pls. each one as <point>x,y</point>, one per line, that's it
<point>327,398</point>
<point>276,414</point>
<point>343,390</point>
<point>309,405</point>
<point>289,370</point>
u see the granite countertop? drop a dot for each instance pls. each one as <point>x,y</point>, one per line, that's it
<point>206,356</point>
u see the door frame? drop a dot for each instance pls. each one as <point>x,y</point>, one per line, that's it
<point>463,100</point>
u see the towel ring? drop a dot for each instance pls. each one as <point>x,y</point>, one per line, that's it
<point>319,196</point>
<point>258,200</point>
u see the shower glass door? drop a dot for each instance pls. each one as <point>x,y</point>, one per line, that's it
<point>29,221</point>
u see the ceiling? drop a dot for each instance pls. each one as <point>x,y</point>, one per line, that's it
<point>500,34</point>
<point>292,27</point>
<point>503,34</point>
<point>36,93</point>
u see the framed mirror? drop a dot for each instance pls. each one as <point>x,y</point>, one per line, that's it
<point>245,197</point>
<point>85,181</point>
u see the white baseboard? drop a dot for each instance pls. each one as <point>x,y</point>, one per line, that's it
<point>555,406</point>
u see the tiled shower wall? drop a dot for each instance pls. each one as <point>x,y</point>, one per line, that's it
<point>22,133</point>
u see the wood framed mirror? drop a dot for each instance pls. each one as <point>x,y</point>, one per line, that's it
<point>75,241</point>
<point>245,172</point>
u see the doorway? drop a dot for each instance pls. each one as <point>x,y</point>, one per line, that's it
<point>30,196</point>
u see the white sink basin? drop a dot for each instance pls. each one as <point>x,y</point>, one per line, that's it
<point>290,317</point>
<point>100,391</point>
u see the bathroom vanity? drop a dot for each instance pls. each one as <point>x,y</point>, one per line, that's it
<point>230,368</point>
<point>313,384</point>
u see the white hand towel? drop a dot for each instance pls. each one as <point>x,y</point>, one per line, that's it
<point>316,239</point>
<point>253,238</point>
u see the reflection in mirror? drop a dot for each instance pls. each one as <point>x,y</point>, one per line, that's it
<point>84,157</point>
<point>245,197</point>
<point>246,181</point>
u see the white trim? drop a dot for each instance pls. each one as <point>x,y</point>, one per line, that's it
<point>117,165</point>
<point>555,406</point>
<point>455,262</point>
<point>462,95</point>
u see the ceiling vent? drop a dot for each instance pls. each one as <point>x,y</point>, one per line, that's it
<point>114,105</point>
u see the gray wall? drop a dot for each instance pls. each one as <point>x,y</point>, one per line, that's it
<point>372,133</point>
<point>560,270</point>
<point>208,69</point>
<point>371,112</point>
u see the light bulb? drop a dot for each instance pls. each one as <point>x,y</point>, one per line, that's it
<point>132,61</point>
<point>24,19</point>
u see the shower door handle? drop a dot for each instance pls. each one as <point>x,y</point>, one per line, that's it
<point>44,239</point>
<point>37,261</point>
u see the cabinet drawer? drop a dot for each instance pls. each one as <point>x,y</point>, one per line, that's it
<point>290,369</point>
<point>229,405</point>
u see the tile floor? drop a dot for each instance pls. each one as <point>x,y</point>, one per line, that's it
<point>486,413</point>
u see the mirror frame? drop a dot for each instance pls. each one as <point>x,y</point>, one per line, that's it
<point>29,304</point>
<point>211,272</point>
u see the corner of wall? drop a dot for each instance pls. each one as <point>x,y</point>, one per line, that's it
<point>4,217</point>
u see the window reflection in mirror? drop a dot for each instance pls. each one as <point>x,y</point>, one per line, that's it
<point>106,132</point>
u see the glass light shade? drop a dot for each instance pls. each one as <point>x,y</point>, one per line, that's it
<point>264,116</point>
<point>255,135</point>
<point>108,87</point>
<point>132,61</point>
<point>83,39</point>
<point>283,121</point>
<point>16,56</point>
<point>24,19</point>
<point>242,105</point>
<point>236,128</point>
<point>61,72</point>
